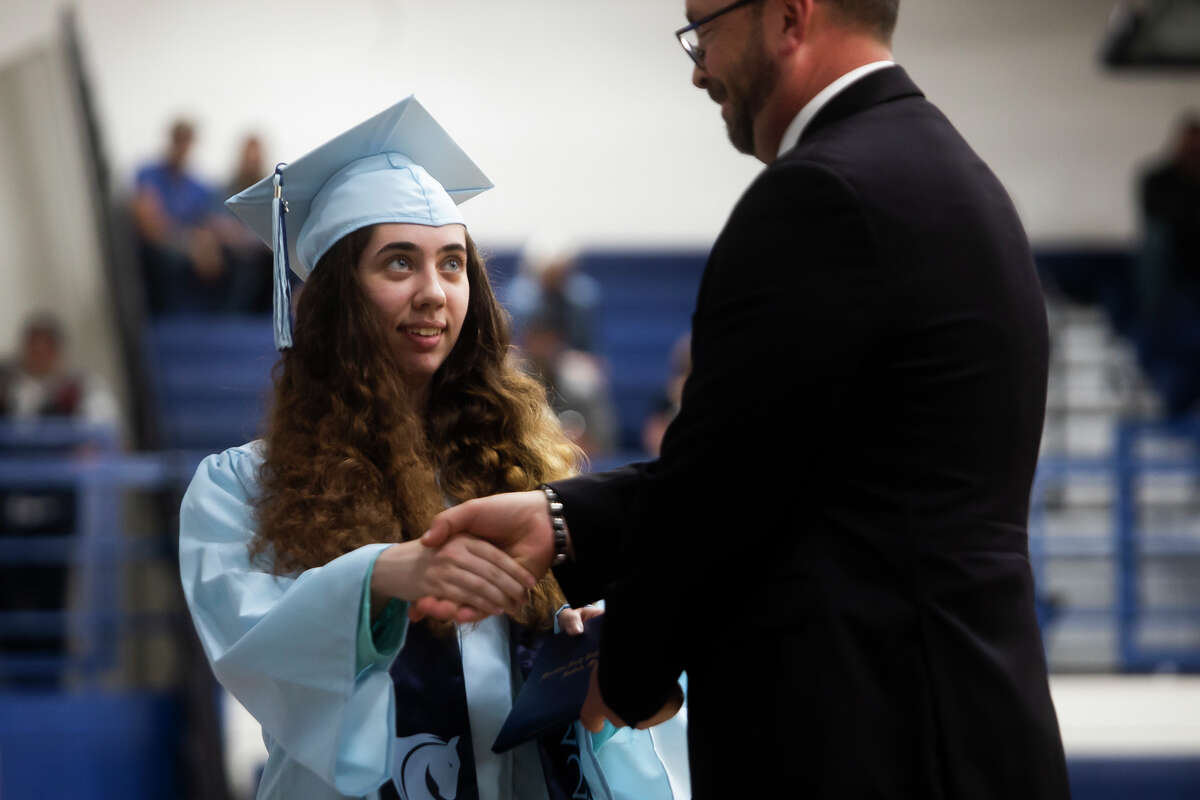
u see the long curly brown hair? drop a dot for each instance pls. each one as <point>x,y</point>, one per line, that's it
<point>348,458</point>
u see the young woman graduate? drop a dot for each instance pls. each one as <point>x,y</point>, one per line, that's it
<point>298,552</point>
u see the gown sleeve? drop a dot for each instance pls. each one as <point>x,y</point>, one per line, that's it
<point>290,648</point>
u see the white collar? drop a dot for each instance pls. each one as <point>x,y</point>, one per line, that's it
<point>791,136</point>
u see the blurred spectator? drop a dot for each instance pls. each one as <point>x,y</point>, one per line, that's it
<point>195,257</point>
<point>1169,272</point>
<point>550,288</point>
<point>251,168</point>
<point>249,258</point>
<point>576,384</point>
<point>667,404</point>
<point>172,212</point>
<point>1170,201</point>
<point>37,384</point>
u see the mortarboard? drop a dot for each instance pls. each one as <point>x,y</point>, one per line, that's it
<point>398,166</point>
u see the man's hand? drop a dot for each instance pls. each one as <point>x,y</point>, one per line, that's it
<point>517,523</point>
<point>595,711</point>
<point>465,570</point>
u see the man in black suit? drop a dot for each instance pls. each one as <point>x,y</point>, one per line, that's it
<point>839,511</point>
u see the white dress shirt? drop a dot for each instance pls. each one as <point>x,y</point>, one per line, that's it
<point>792,135</point>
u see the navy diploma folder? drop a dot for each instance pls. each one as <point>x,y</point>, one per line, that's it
<point>557,685</point>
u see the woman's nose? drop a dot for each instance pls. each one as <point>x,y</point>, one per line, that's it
<point>429,290</point>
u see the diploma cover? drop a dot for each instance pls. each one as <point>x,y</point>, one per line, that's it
<point>557,685</point>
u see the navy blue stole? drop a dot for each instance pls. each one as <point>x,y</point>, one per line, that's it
<point>434,759</point>
<point>434,755</point>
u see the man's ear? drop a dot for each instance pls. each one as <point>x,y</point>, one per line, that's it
<point>791,20</point>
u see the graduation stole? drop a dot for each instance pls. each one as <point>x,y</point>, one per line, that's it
<point>434,757</point>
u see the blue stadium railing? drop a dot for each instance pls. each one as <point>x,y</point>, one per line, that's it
<point>83,462</point>
<point>1136,543</point>
<point>70,726</point>
<point>1130,542</point>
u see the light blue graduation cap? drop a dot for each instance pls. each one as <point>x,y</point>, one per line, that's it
<point>398,166</point>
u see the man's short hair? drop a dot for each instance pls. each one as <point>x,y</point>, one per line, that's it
<point>182,130</point>
<point>877,17</point>
<point>46,323</point>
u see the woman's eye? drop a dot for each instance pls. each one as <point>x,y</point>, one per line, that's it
<point>452,265</point>
<point>398,264</point>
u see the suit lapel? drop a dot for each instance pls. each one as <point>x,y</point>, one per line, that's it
<point>878,87</point>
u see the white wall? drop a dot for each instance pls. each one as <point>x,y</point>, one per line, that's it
<point>581,111</point>
<point>51,257</point>
<point>1022,81</point>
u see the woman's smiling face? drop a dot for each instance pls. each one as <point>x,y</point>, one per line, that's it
<point>415,276</point>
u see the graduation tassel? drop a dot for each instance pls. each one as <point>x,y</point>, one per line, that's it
<point>283,289</point>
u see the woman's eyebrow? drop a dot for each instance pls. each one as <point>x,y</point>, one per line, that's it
<point>407,247</point>
<point>410,247</point>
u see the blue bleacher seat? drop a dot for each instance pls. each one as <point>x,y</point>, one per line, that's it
<point>212,378</point>
<point>1126,778</point>
<point>646,302</point>
<point>89,746</point>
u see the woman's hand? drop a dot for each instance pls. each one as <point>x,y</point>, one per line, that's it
<point>466,571</point>
<point>571,620</point>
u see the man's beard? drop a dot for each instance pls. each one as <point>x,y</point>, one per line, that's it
<point>747,93</point>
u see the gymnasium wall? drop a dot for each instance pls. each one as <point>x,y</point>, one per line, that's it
<point>582,111</point>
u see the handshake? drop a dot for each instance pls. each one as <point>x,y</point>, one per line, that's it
<point>480,559</point>
<point>477,559</point>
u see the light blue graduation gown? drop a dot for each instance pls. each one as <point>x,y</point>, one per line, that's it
<point>297,652</point>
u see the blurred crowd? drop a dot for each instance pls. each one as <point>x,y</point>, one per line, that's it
<point>197,259</point>
<point>554,308</point>
<point>195,256</point>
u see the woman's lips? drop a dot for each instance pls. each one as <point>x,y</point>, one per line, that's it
<point>425,338</point>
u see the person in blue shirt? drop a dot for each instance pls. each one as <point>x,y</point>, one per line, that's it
<point>173,213</point>
<point>396,394</point>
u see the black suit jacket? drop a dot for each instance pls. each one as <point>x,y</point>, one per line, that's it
<point>833,542</point>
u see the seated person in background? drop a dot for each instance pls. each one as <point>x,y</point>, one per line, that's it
<point>248,259</point>
<point>1169,272</point>
<point>172,213</point>
<point>667,404</point>
<point>576,384</point>
<point>550,288</point>
<point>299,553</point>
<point>249,170</point>
<point>37,384</point>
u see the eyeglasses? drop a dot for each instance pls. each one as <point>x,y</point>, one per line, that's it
<point>689,35</point>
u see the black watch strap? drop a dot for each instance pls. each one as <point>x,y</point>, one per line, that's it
<point>558,523</point>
